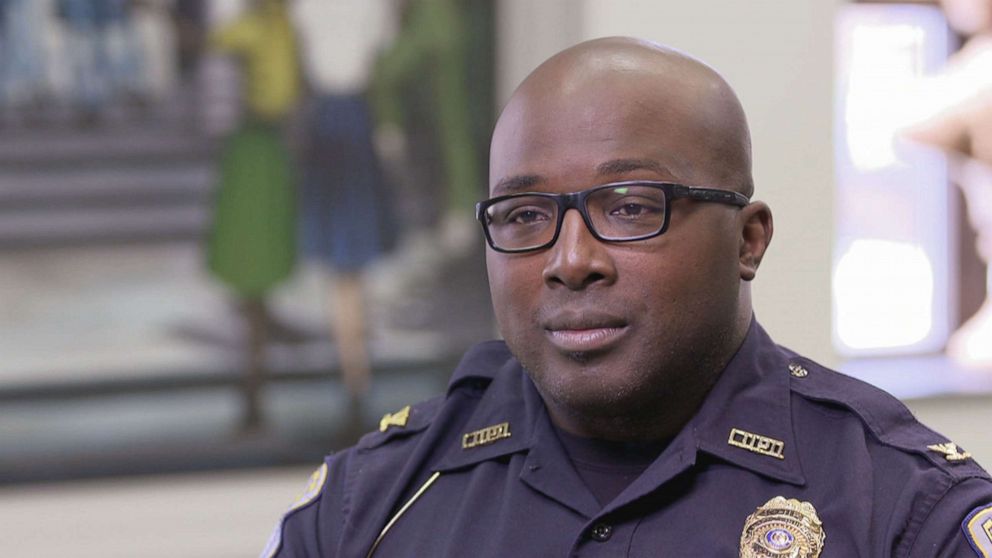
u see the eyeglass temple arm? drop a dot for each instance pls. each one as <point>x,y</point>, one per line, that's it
<point>719,196</point>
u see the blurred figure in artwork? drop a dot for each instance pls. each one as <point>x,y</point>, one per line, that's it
<point>422,91</point>
<point>189,19</point>
<point>346,205</point>
<point>252,243</point>
<point>959,122</point>
<point>24,82</point>
<point>104,55</point>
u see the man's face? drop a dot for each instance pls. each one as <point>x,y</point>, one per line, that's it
<point>611,327</point>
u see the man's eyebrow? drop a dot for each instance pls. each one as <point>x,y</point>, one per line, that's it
<point>622,166</point>
<point>525,182</point>
<point>514,184</point>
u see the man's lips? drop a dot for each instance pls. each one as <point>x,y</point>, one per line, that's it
<point>584,332</point>
<point>585,340</point>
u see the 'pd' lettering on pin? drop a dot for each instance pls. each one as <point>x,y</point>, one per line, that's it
<point>485,436</point>
<point>756,443</point>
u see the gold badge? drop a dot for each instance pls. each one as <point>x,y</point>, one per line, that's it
<point>757,443</point>
<point>798,370</point>
<point>487,435</point>
<point>783,529</point>
<point>398,418</point>
<point>950,451</point>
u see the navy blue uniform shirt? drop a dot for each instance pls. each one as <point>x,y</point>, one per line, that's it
<point>479,472</point>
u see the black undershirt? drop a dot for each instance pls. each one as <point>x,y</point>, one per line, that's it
<point>606,467</point>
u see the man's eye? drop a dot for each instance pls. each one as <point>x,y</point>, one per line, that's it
<point>635,209</point>
<point>527,216</point>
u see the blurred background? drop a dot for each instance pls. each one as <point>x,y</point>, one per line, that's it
<point>235,233</point>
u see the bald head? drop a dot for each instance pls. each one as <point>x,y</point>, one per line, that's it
<point>605,87</point>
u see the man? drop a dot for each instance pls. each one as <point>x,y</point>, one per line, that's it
<point>636,408</point>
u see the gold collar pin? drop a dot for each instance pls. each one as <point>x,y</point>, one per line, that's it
<point>486,435</point>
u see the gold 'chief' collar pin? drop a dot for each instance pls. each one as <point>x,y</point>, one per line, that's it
<point>486,435</point>
<point>757,443</point>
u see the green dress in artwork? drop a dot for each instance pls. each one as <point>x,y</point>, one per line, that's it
<point>252,244</point>
<point>252,241</point>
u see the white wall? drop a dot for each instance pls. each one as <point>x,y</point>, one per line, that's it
<point>528,32</point>
<point>778,57</point>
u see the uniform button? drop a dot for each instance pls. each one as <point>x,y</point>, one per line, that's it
<point>601,532</point>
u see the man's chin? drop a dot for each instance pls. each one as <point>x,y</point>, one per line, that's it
<point>585,357</point>
<point>588,389</point>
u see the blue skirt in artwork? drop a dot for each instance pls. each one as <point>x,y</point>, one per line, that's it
<point>346,215</point>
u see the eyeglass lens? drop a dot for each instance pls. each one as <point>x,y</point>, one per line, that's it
<point>616,213</point>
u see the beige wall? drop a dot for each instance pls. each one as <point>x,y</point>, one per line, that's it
<point>778,56</point>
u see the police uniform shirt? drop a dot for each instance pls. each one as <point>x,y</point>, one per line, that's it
<point>480,472</point>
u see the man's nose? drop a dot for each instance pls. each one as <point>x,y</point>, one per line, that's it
<point>577,260</point>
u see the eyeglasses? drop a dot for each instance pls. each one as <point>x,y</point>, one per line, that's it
<point>615,212</point>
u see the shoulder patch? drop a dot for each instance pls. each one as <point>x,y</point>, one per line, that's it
<point>977,529</point>
<point>313,489</point>
<point>314,486</point>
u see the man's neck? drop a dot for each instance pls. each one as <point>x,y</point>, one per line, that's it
<point>662,422</point>
<point>650,417</point>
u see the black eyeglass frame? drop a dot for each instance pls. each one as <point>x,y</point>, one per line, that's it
<point>577,201</point>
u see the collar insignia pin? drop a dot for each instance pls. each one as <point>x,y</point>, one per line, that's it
<point>398,418</point>
<point>757,443</point>
<point>782,528</point>
<point>486,435</point>
<point>798,370</point>
<point>950,451</point>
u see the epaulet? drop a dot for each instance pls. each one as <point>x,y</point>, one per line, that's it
<point>402,423</point>
<point>884,416</point>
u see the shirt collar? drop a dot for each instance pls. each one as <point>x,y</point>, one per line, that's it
<point>750,404</point>
<point>747,417</point>
<point>509,399</point>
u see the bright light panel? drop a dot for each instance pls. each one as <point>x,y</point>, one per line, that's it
<point>883,291</point>
<point>892,257</point>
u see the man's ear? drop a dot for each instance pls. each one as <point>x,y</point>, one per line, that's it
<point>756,235</point>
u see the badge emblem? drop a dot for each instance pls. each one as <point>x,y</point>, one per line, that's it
<point>783,529</point>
